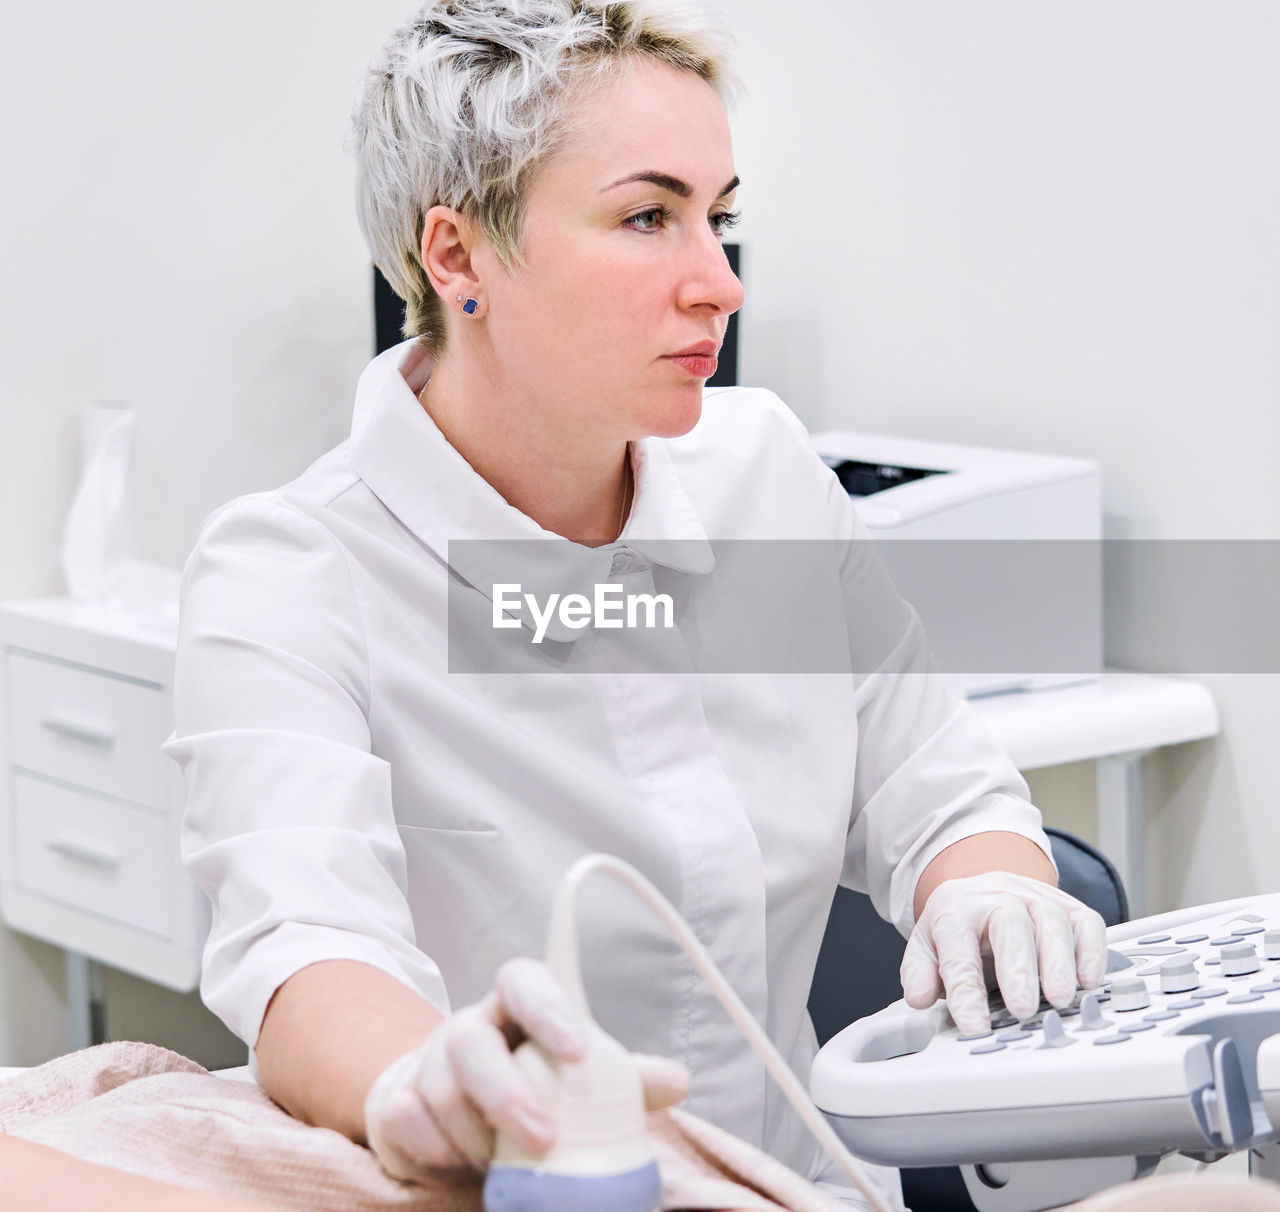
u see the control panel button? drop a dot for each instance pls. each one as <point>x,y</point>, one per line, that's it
<point>1129,993</point>
<point>1191,938</point>
<point>1113,1039</point>
<point>1239,959</point>
<point>1091,1016</point>
<point>1179,975</point>
<point>1054,1035</point>
<point>1205,994</point>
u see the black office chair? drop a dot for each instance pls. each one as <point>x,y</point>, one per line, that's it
<point>857,974</point>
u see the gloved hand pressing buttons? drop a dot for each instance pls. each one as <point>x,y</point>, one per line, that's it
<point>1036,936</point>
<point>438,1106</point>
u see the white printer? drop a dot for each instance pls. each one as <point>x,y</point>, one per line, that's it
<point>1005,563</point>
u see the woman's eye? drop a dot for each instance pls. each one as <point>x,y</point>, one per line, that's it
<point>647,220</point>
<point>728,219</point>
<point>657,216</point>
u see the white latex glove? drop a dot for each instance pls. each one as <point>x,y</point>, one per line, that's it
<point>1035,936</point>
<point>437,1107</point>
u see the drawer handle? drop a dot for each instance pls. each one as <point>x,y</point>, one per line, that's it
<point>85,852</point>
<point>75,731</point>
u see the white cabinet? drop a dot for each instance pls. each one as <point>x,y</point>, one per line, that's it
<point>89,806</point>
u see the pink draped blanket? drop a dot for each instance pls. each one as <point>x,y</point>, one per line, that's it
<point>148,1111</point>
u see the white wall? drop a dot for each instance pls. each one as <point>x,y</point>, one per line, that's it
<point>1052,227</point>
<point>181,236</point>
<point>1045,226</point>
<point>176,230</point>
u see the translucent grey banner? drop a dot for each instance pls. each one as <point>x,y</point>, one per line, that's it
<point>1001,614</point>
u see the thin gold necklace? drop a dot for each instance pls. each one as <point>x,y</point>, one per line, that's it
<point>627,489</point>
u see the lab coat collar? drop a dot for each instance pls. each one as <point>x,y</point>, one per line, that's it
<point>406,461</point>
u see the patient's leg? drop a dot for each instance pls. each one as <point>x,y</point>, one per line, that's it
<point>1187,1193</point>
<point>40,1179</point>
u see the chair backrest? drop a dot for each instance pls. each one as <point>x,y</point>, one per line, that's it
<point>857,970</point>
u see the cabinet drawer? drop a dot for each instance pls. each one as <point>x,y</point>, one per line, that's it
<point>90,728</point>
<point>100,855</point>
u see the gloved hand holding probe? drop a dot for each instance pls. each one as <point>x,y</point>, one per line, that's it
<point>439,1105</point>
<point>1034,935</point>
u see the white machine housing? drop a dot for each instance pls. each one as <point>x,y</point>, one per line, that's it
<point>1177,1051</point>
<point>954,492</point>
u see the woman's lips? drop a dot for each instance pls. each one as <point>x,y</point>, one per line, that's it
<point>701,366</point>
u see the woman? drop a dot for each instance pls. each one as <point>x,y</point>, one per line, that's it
<point>380,822</point>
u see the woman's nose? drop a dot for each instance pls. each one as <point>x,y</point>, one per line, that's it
<point>710,281</point>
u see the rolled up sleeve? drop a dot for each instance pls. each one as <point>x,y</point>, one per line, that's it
<point>289,826</point>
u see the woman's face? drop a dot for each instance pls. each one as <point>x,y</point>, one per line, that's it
<point>623,271</point>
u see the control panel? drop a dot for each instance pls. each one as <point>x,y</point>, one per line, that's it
<point>1178,1050</point>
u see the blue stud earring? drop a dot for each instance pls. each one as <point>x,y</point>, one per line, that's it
<point>469,306</point>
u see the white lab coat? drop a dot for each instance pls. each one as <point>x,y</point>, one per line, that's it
<point>352,795</point>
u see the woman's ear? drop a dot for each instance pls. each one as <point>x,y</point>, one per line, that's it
<point>447,240</point>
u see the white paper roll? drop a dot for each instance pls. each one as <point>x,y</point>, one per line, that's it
<point>99,535</point>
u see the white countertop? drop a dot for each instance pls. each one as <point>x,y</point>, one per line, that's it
<point>1121,712</point>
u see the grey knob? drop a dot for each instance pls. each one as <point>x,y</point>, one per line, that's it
<point>1129,993</point>
<point>1091,1017</point>
<point>1054,1035</point>
<point>1179,975</point>
<point>1239,959</point>
<point>1271,944</point>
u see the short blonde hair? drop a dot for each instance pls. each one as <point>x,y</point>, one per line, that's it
<point>469,97</point>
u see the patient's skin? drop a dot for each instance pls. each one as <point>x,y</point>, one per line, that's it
<point>40,1179</point>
